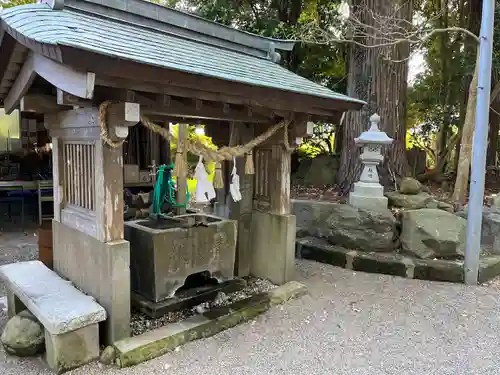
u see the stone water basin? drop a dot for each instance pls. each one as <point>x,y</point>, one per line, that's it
<point>165,251</point>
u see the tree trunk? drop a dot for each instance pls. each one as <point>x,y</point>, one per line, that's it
<point>375,77</point>
<point>466,145</point>
<point>491,155</point>
<point>445,86</point>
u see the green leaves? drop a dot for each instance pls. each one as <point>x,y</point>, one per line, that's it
<point>279,19</point>
<point>13,3</point>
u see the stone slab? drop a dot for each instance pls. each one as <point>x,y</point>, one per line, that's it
<point>321,251</point>
<point>439,270</point>
<point>379,263</point>
<point>58,305</point>
<point>489,267</point>
<point>368,202</point>
<point>185,300</point>
<point>152,344</point>
<point>394,264</point>
<point>149,345</point>
<point>290,290</point>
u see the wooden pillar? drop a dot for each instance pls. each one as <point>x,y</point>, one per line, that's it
<point>109,192</point>
<point>273,227</point>
<point>220,137</point>
<point>242,210</point>
<point>88,243</point>
<point>165,148</point>
<point>58,176</point>
<point>182,180</point>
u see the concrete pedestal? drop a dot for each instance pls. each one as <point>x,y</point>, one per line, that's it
<point>369,196</point>
<point>100,269</point>
<point>73,349</point>
<point>273,246</point>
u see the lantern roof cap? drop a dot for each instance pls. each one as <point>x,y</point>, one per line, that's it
<point>373,135</point>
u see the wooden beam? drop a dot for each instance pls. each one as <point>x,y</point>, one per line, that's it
<point>197,109</point>
<point>7,47</point>
<point>271,107</point>
<point>73,119</point>
<point>152,100</point>
<point>40,103</point>
<point>64,98</point>
<point>2,34</point>
<point>102,94</point>
<point>122,115</point>
<point>76,133</point>
<point>148,100</point>
<point>182,108</point>
<point>78,83</point>
<point>21,85</point>
<point>189,121</point>
<point>65,78</point>
<point>161,77</point>
<point>11,70</point>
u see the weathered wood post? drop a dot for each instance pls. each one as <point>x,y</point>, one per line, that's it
<point>242,210</point>
<point>273,226</point>
<point>89,248</point>
<point>182,179</point>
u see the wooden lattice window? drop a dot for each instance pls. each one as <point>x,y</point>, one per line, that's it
<point>262,190</point>
<point>79,173</point>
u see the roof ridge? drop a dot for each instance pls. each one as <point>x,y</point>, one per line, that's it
<point>180,23</point>
<point>271,54</point>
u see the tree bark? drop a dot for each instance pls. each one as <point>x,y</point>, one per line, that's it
<point>491,155</point>
<point>377,76</point>
<point>445,85</point>
<point>464,160</point>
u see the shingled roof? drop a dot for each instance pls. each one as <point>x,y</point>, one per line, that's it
<point>149,34</point>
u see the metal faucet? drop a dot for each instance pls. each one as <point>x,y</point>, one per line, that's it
<point>153,171</point>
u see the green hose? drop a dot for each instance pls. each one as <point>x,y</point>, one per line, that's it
<point>165,190</point>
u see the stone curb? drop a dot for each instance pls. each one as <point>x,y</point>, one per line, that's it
<point>138,349</point>
<point>313,248</point>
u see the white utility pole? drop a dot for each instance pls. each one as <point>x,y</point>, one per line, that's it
<point>480,144</point>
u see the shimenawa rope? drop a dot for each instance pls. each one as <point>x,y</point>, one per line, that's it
<point>199,149</point>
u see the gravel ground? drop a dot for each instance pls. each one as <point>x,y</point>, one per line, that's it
<point>141,323</point>
<point>352,323</point>
<point>15,247</point>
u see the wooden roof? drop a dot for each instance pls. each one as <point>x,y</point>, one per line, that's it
<point>140,46</point>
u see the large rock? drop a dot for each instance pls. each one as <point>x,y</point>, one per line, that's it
<point>490,231</point>
<point>359,229</point>
<point>431,233</point>
<point>322,170</point>
<point>311,215</point>
<point>446,206</point>
<point>496,201</point>
<point>23,335</point>
<point>410,202</point>
<point>410,186</point>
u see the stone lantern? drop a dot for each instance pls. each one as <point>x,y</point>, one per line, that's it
<point>367,192</point>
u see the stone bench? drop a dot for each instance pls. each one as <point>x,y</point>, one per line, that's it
<point>69,317</point>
